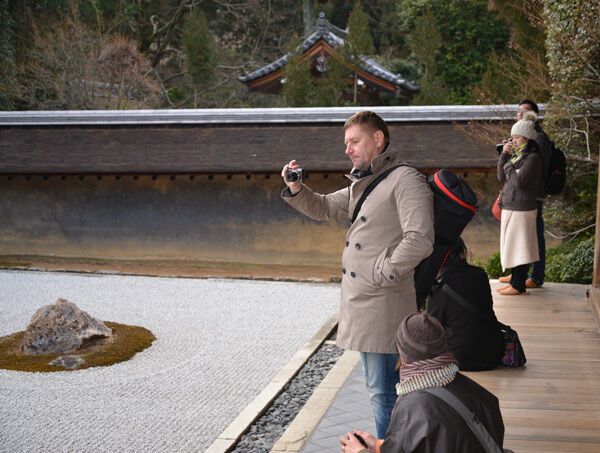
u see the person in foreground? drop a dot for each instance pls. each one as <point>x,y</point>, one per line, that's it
<point>390,235</point>
<point>422,422</point>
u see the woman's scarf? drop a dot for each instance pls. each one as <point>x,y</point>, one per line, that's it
<point>518,153</point>
<point>422,374</point>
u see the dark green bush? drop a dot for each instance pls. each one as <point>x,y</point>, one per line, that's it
<point>493,266</point>
<point>571,263</point>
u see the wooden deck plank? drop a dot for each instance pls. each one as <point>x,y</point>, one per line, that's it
<point>558,447</point>
<point>552,404</point>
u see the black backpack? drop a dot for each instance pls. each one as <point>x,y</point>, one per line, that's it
<point>454,205</point>
<point>554,180</point>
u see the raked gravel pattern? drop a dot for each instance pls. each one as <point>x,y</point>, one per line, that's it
<point>219,343</point>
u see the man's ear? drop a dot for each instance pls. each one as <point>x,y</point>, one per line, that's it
<point>379,138</point>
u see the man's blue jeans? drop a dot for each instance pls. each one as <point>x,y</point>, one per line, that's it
<point>381,378</point>
<point>539,267</point>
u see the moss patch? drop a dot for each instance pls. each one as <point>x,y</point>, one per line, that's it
<point>125,342</point>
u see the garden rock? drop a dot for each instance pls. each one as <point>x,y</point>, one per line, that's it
<point>60,328</point>
<point>68,361</point>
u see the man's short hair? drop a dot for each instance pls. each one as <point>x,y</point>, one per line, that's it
<point>533,105</point>
<point>370,119</point>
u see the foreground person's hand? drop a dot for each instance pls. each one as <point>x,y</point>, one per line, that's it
<point>351,444</point>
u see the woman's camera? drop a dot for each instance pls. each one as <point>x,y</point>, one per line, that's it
<point>294,175</point>
<point>500,146</point>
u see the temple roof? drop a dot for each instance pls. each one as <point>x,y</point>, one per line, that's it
<point>334,37</point>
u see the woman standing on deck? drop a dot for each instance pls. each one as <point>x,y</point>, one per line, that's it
<point>520,169</point>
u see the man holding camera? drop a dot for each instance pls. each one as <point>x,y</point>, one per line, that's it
<point>391,234</point>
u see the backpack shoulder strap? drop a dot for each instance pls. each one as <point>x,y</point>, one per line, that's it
<point>485,439</point>
<point>466,305</point>
<point>370,188</point>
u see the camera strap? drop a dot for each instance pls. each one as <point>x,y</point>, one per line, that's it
<point>370,188</point>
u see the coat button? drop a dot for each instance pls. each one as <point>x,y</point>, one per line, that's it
<point>343,270</point>
<point>347,243</point>
<point>352,274</point>
<point>391,277</point>
<point>363,218</point>
<point>358,246</point>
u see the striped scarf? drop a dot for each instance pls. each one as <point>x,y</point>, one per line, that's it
<point>422,374</point>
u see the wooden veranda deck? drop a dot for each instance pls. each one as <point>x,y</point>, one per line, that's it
<point>552,404</point>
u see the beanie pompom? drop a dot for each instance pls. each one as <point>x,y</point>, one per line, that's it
<point>530,116</point>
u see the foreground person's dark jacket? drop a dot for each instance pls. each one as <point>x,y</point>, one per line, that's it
<point>423,423</point>
<point>477,345</point>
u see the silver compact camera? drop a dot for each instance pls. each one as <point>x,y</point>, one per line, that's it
<point>294,175</point>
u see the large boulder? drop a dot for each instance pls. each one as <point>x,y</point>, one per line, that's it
<point>61,328</point>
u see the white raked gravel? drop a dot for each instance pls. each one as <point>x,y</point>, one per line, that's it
<point>219,343</point>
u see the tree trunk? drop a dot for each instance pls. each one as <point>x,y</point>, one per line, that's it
<point>307,17</point>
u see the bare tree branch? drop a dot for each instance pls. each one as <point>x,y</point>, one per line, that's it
<point>570,235</point>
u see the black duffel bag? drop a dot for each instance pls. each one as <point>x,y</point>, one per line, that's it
<point>454,205</point>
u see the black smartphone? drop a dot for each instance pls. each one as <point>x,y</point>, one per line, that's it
<point>361,440</point>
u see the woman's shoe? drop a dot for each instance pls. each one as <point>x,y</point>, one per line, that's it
<point>505,279</point>
<point>510,291</point>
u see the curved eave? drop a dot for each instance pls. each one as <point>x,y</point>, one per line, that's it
<point>326,42</point>
<point>372,74</point>
<point>322,34</point>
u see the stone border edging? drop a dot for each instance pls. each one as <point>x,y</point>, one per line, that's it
<point>299,431</point>
<point>230,436</point>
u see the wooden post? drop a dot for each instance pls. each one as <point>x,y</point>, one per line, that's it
<point>594,290</point>
<point>596,276</point>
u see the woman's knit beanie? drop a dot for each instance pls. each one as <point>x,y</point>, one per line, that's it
<point>420,336</point>
<point>525,127</point>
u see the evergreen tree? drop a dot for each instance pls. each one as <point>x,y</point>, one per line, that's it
<point>297,88</point>
<point>330,87</point>
<point>302,88</point>
<point>521,70</point>
<point>468,35</point>
<point>359,40</point>
<point>7,62</point>
<point>198,48</point>
<point>425,44</point>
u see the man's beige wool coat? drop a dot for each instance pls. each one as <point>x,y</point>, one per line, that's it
<point>392,233</point>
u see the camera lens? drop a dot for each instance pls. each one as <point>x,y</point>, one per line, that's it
<point>294,175</point>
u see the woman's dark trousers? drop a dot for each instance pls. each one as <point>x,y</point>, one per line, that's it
<point>518,277</point>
